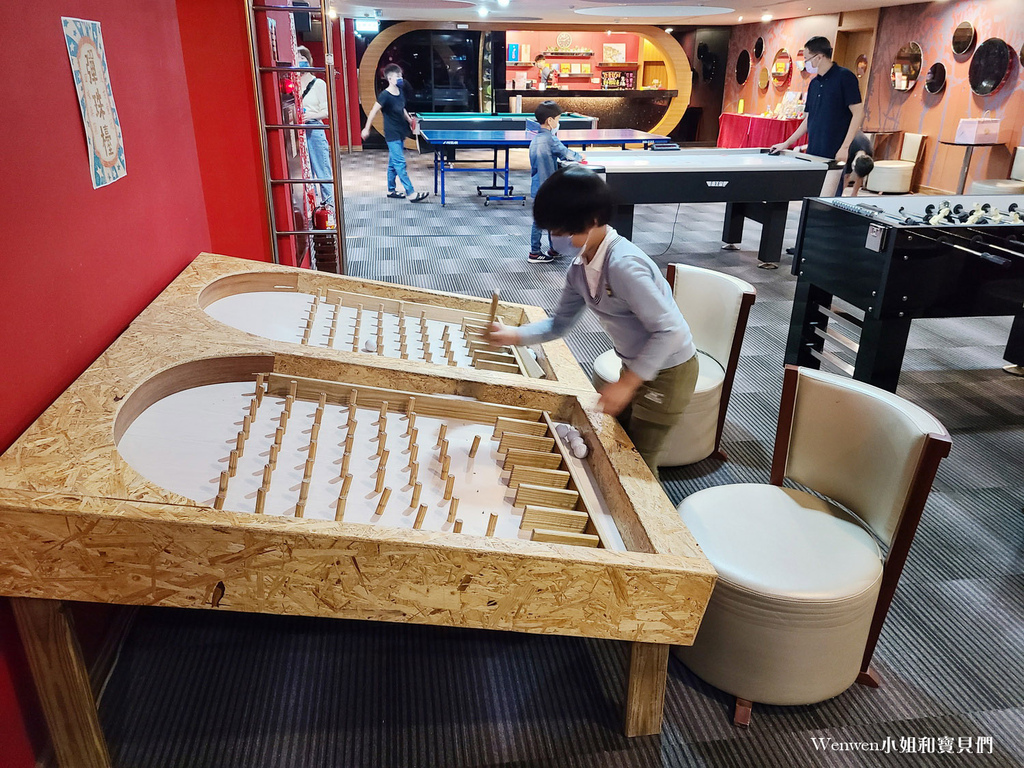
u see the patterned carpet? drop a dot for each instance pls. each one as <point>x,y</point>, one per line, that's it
<point>195,688</point>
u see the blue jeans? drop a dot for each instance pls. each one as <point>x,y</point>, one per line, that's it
<point>320,160</point>
<point>535,237</point>
<point>396,167</point>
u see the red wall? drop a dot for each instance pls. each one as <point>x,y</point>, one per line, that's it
<point>79,263</point>
<point>215,47</point>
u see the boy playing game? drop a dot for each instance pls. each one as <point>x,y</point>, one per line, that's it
<point>633,303</point>
<point>397,125</point>
<point>545,152</point>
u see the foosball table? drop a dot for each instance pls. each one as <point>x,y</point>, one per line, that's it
<point>218,459</point>
<point>894,260</point>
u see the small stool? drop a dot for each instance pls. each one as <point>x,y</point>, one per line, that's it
<point>997,187</point>
<point>890,176</point>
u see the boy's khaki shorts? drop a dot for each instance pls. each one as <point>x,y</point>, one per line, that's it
<point>657,406</point>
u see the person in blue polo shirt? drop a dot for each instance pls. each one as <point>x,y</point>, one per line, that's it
<point>834,109</point>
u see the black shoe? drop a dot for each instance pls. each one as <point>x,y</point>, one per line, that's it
<point>791,251</point>
<point>541,258</point>
<point>396,195</point>
<point>419,197</point>
<point>555,255</point>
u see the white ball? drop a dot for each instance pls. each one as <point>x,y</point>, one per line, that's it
<point>533,353</point>
<point>573,434</point>
<point>579,449</point>
<point>562,430</point>
<point>370,346</point>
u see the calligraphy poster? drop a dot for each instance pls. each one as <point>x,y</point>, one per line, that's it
<point>96,100</point>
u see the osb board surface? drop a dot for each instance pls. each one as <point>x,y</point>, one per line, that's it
<point>69,547</point>
<point>180,306</point>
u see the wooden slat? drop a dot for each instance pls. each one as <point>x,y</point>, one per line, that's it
<point>564,537</point>
<point>554,519</point>
<point>62,682</point>
<point>544,460</point>
<point>426,405</point>
<point>545,497</point>
<point>487,365</point>
<point>412,308</point>
<point>495,356</point>
<point>552,478</point>
<point>534,427</point>
<point>513,440</point>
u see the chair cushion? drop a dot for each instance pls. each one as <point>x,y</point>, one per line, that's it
<point>997,187</point>
<point>782,542</point>
<point>608,367</point>
<point>890,176</point>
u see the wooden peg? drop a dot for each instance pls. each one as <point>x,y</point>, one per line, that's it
<point>246,424</point>
<point>252,409</point>
<point>410,407</point>
<point>416,490</point>
<point>427,357</point>
<point>308,470</point>
<point>383,463</point>
<point>311,450</point>
<point>420,515</point>
<point>267,469</point>
<point>284,419</point>
<point>451,359</point>
<point>449,486</point>
<point>475,447</point>
<point>222,491</point>
<point>346,484</point>
<point>383,502</point>
<point>322,402</point>
<point>240,442</point>
<point>272,459</point>
<point>409,428</point>
<point>383,414</point>
<point>314,432</point>
<point>457,528</point>
<point>232,463</point>
<point>344,463</point>
<point>444,450</point>
<point>333,329</point>
<point>259,389</point>
<point>441,433</point>
<point>412,439</point>
<point>492,523</point>
<point>300,505</point>
<point>413,453</point>
<point>261,500</point>
<point>349,440</point>
<point>446,464</point>
<point>380,482</point>
<point>403,352</point>
<point>414,471</point>
<point>445,333</point>
<point>339,513</point>
<point>495,297</point>
<point>293,387</point>
<point>353,397</point>
<point>452,509</point>
<point>278,436</point>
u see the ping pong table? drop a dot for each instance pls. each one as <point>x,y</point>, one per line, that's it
<point>445,142</point>
<point>500,121</point>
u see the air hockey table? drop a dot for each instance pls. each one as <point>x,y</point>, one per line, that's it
<point>753,183</point>
<point>446,143</point>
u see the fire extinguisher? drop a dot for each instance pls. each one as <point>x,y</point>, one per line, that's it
<point>322,217</point>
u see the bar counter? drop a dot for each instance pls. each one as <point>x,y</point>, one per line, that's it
<point>638,109</point>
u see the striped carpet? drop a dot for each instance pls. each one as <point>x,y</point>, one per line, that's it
<point>198,688</point>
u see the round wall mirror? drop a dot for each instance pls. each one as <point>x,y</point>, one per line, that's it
<point>990,66</point>
<point>963,38</point>
<point>799,60</point>
<point>763,78</point>
<point>862,65</point>
<point>758,48</point>
<point>935,80</point>
<point>782,68</point>
<point>742,67</point>
<point>906,67</point>
<point>1022,55</point>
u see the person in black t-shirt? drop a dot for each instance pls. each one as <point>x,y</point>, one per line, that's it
<point>859,163</point>
<point>833,106</point>
<point>397,125</point>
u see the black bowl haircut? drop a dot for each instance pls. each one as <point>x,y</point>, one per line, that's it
<point>573,200</point>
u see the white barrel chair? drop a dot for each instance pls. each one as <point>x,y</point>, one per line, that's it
<point>716,307</point>
<point>897,176</point>
<point>803,588</point>
<point>1011,186</point>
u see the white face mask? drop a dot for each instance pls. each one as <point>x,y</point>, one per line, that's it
<point>810,67</point>
<point>563,244</point>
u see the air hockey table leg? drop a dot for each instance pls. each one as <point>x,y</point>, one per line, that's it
<point>732,230</point>
<point>645,696</point>
<point>62,681</point>
<point>1014,353</point>
<point>773,232</point>
<point>622,221</point>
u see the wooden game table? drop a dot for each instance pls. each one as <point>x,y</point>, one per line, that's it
<point>80,522</point>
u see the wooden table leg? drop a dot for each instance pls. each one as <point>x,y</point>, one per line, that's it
<point>62,682</point>
<point>645,698</point>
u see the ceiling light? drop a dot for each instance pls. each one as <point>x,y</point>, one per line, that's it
<point>739,18</point>
<point>668,29</point>
<point>766,17</point>
<point>332,13</point>
<point>481,11</point>
<point>503,3</point>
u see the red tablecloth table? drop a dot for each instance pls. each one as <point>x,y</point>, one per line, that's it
<point>735,131</point>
